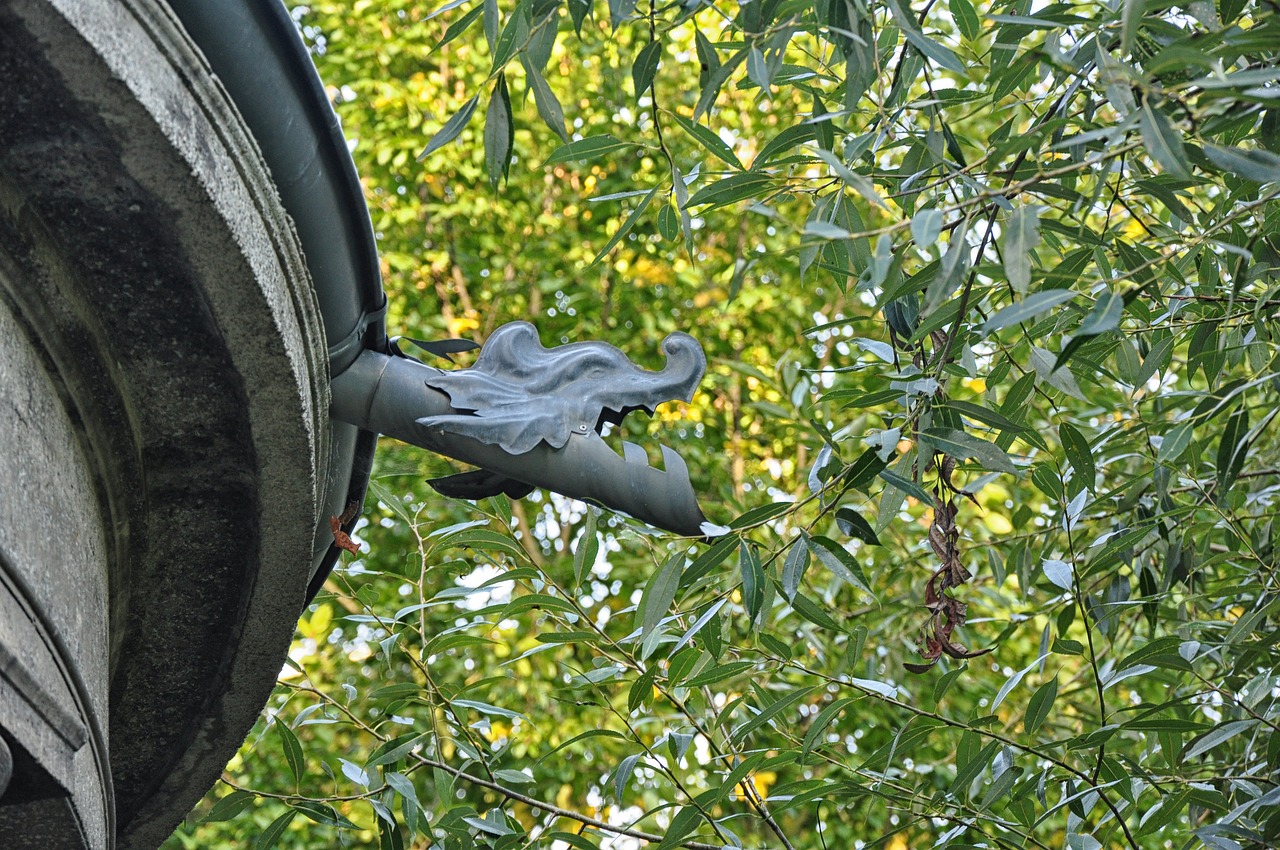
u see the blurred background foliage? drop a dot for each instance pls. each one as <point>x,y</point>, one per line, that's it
<point>989,293</point>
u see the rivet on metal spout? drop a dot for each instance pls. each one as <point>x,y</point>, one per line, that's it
<point>530,416</point>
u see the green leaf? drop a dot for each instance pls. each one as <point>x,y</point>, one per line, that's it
<point>713,144</point>
<point>1216,737</point>
<point>578,11</point>
<point>460,26</point>
<point>779,705</point>
<point>644,67</point>
<point>549,108</point>
<point>499,132</point>
<point>1059,573</point>
<point>659,593</point>
<point>1257,165</point>
<point>1161,652</point>
<point>1078,454</point>
<point>1105,315</point>
<point>1175,442</point>
<point>623,775</point>
<point>272,833</point>
<point>228,807</point>
<point>925,227</point>
<point>587,550</point>
<point>487,709</point>
<point>626,226</point>
<point>451,128</point>
<point>966,19</point>
<point>907,486</point>
<point>1020,237</point>
<point>906,20</point>
<point>1028,308</point>
<point>1163,142</point>
<point>794,568</point>
<point>1039,705</point>
<point>514,34</point>
<point>587,149</point>
<point>838,560</point>
<point>1233,449</point>
<point>292,750</point>
<point>715,81</point>
<point>853,524</point>
<point>681,826</point>
<point>960,445</point>
<point>735,187</point>
<point>820,723</point>
<point>396,749</point>
<point>1130,22</point>
<point>752,580</point>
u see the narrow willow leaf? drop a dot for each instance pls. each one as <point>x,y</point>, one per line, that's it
<point>769,712</point>
<point>272,833</point>
<point>586,149</point>
<point>925,227</point>
<point>499,132</point>
<point>626,226</point>
<point>1039,705</point>
<point>1105,315</point>
<point>587,550</point>
<point>1217,736</point>
<point>1011,683</point>
<point>228,807</point>
<point>1021,236</point>
<point>906,20</point>
<point>1175,442</point>
<point>492,21</point>
<point>794,568</point>
<point>1233,449</point>
<point>513,36</point>
<point>1078,454</point>
<point>397,748</point>
<point>1257,165</point>
<point>645,66</point>
<point>459,26</point>
<point>735,187</point>
<point>578,11</point>
<point>681,825</point>
<point>819,725</point>
<point>1059,573</point>
<point>1162,140</point>
<point>693,630</point>
<point>966,18</point>
<point>549,108</point>
<point>451,128</point>
<point>659,593</point>
<point>713,143</point>
<point>837,559</point>
<point>905,486</point>
<point>1130,22</point>
<point>752,580</point>
<point>715,81</point>
<point>1028,308</point>
<point>292,750</point>
<point>854,525</point>
<point>623,775</point>
<point>960,445</point>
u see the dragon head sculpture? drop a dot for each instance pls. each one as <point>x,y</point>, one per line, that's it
<point>530,416</point>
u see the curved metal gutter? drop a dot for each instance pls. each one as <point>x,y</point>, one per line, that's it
<point>256,51</point>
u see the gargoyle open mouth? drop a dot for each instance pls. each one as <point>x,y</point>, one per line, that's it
<point>530,416</point>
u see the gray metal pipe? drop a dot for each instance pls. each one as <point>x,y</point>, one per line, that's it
<point>396,396</point>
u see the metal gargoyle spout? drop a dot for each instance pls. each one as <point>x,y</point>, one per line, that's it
<point>530,416</point>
